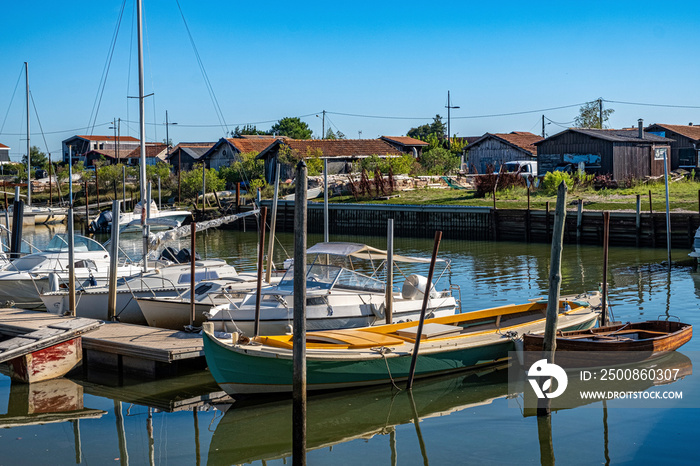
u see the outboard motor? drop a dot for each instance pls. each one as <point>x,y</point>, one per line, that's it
<point>184,256</point>
<point>169,254</point>
<point>414,287</point>
<point>103,222</point>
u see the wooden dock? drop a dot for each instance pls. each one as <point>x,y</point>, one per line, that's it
<point>123,348</point>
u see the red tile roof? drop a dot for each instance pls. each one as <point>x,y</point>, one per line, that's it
<point>692,132</point>
<point>343,147</point>
<point>245,145</point>
<point>152,150</point>
<point>108,138</point>
<point>3,146</point>
<point>405,140</point>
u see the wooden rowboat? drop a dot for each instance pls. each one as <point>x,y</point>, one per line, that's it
<point>631,341</point>
<point>382,354</point>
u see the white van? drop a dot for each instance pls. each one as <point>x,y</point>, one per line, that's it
<point>527,167</point>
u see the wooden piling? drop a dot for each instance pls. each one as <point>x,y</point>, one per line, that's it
<point>638,219</point>
<point>546,221</point>
<point>238,197</point>
<point>579,220</point>
<point>606,239</point>
<point>97,190</point>
<point>87,206</point>
<point>261,258</point>
<point>426,297</point>
<point>113,262</point>
<point>299,336</point>
<point>273,226</point>
<point>549,345</point>
<point>651,210</point>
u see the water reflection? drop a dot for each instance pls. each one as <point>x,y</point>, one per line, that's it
<point>263,431</point>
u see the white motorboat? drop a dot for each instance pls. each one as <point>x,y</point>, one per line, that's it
<point>169,280</point>
<point>337,296</point>
<point>174,312</point>
<point>24,279</point>
<point>131,221</point>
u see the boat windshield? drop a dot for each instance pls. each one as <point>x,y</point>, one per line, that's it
<point>59,243</point>
<point>332,276</point>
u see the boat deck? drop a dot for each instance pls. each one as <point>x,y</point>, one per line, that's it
<point>116,346</point>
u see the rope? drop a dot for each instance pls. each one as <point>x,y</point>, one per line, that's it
<point>383,350</point>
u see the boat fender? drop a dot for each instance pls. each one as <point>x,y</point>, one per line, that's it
<point>234,338</point>
<point>53,282</point>
<point>378,311</point>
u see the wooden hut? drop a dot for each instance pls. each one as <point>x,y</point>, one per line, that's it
<point>623,153</point>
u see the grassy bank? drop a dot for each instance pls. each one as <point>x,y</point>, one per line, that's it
<point>683,197</point>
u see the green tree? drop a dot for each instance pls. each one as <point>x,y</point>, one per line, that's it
<point>245,168</point>
<point>247,130</point>
<point>39,159</point>
<point>159,170</point>
<point>439,161</point>
<point>292,127</point>
<point>437,128</point>
<point>333,135</point>
<point>191,182</point>
<point>589,115</point>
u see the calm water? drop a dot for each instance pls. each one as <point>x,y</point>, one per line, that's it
<point>463,419</point>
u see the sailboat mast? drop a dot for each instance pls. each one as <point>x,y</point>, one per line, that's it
<point>142,137</point>
<point>29,156</point>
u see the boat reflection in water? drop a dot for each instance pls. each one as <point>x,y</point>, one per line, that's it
<point>262,430</point>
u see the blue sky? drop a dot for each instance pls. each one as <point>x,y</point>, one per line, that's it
<point>388,59</point>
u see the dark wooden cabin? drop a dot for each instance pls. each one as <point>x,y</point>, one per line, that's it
<point>685,145</point>
<point>623,153</point>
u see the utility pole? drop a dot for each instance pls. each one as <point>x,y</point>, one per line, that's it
<point>167,135</point>
<point>323,126</point>
<point>543,136</point>
<point>449,130</point>
<point>600,112</point>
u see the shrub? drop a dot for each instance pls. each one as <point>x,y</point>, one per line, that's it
<point>552,180</point>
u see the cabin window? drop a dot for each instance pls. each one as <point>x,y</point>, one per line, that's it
<point>659,154</point>
<point>198,276</point>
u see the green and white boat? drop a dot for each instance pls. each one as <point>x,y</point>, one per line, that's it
<point>382,354</point>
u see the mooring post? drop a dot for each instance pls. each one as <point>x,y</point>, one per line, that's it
<point>273,226</point>
<point>87,207</point>
<point>550,329</point>
<point>651,210</point>
<point>668,213</point>
<point>579,220</point>
<point>546,220</point>
<point>299,336</point>
<point>389,296</point>
<point>426,297</point>
<point>17,224</point>
<point>606,245</point>
<point>193,237</point>
<point>113,262</point>
<point>261,258</point>
<point>639,218</point>
<point>97,189</point>
<point>698,200</point>
<point>124,186</point>
<point>238,197</point>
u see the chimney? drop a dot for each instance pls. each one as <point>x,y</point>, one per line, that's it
<point>641,128</point>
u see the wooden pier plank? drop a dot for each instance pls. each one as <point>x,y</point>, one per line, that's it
<point>137,341</point>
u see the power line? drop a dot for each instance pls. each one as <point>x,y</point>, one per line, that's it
<point>650,105</point>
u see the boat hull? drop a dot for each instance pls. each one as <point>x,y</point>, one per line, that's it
<point>252,369</point>
<point>48,363</point>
